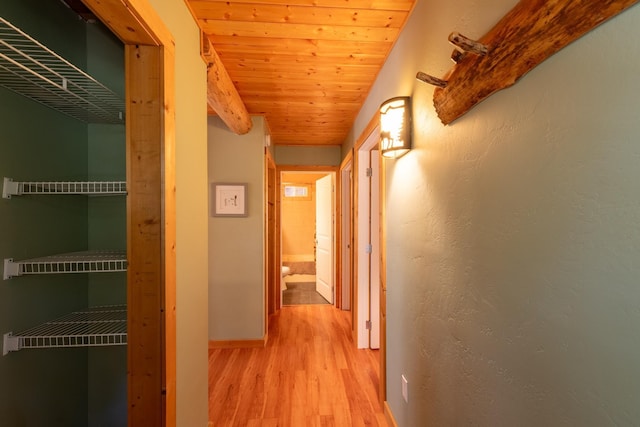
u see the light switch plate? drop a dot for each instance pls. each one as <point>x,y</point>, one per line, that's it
<point>405,389</point>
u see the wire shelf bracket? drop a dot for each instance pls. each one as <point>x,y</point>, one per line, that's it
<point>9,343</point>
<point>73,262</point>
<point>93,327</point>
<point>32,70</point>
<point>11,269</point>
<point>9,188</point>
<point>95,188</point>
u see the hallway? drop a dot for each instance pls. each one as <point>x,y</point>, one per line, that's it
<point>309,374</point>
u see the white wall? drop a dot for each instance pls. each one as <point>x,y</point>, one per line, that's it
<point>512,267</point>
<point>236,245</point>
<point>191,213</point>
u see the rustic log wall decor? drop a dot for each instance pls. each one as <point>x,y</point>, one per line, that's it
<point>530,33</point>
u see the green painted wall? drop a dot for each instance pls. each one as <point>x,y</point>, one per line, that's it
<point>42,387</point>
<point>107,366</point>
<point>236,245</point>
<point>39,143</point>
<point>512,234</point>
<point>293,155</point>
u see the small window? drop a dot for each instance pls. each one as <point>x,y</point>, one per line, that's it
<point>297,191</point>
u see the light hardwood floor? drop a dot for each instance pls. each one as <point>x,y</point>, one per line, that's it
<point>309,374</point>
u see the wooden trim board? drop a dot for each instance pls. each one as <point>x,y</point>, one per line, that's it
<point>146,250</point>
<point>132,21</point>
<point>238,343</point>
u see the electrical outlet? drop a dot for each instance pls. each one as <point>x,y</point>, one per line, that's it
<point>405,389</point>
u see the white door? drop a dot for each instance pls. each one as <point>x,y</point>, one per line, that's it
<point>324,237</point>
<point>367,250</point>
<point>346,219</point>
<point>374,256</point>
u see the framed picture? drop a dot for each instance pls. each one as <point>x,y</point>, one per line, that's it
<point>229,200</point>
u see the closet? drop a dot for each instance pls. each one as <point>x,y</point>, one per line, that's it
<point>63,219</point>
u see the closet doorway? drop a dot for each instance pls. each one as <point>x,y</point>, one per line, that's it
<point>307,252</point>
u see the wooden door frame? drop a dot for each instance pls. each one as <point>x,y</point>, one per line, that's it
<point>347,216</point>
<point>151,207</point>
<point>336,209</point>
<point>272,273</point>
<point>371,126</point>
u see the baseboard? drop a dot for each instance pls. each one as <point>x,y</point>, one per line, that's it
<point>237,343</point>
<point>389,415</point>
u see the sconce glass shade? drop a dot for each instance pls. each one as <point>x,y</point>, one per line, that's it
<point>395,127</point>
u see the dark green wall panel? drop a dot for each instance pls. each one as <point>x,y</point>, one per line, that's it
<point>60,387</point>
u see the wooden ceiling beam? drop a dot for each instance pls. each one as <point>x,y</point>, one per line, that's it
<point>222,95</point>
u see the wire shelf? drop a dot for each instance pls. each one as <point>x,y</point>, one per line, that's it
<point>17,188</point>
<point>32,70</point>
<point>74,262</point>
<point>92,327</point>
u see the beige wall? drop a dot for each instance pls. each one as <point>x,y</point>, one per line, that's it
<point>512,266</point>
<point>299,219</point>
<point>298,228</point>
<point>236,245</point>
<point>191,213</point>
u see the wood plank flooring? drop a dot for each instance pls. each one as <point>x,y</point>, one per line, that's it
<point>309,374</point>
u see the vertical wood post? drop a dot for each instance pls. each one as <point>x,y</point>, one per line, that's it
<point>151,236</point>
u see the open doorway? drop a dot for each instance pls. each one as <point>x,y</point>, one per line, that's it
<point>307,238</point>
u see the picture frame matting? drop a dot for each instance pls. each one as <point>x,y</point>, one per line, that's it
<point>229,199</point>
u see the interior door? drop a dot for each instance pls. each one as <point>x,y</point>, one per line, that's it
<point>346,218</point>
<point>324,237</point>
<point>367,249</point>
<point>374,256</point>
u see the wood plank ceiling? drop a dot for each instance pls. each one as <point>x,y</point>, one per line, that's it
<point>306,65</point>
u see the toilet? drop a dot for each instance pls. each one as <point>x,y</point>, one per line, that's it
<point>286,270</point>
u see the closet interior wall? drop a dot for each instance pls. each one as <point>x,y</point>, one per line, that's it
<point>107,370</point>
<point>61,386</point>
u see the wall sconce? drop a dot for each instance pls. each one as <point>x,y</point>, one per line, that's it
<point>395,127</point>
